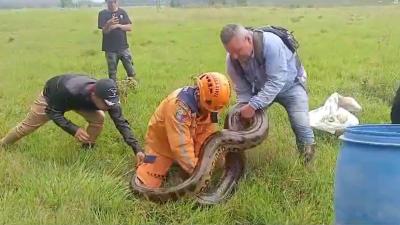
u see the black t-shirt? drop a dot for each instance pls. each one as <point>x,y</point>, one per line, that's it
<point>116,39</point>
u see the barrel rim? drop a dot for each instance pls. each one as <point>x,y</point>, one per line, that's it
<point>359,130</point>
<point>390,137</point>
<point>342,138</point>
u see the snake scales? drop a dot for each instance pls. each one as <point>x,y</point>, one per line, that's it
<point>229,143</point>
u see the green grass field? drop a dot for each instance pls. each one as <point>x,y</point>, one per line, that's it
<point>47,179</point>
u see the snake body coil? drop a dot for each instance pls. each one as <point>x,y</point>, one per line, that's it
<point>229,143</point>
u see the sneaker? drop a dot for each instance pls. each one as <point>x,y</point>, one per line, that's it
<point>88,146</point>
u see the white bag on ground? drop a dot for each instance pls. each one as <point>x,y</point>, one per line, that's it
<point>335,115</point>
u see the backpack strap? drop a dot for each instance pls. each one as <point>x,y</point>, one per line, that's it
<point>258,46</point>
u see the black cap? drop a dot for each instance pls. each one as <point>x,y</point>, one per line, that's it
<point>107,90</point>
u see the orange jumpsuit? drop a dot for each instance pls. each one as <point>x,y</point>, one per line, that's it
<point>176,132</point>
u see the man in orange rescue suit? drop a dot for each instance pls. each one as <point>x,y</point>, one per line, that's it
<point>180,125</point>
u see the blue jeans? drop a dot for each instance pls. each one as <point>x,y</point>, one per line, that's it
<point>112,61</point>
<point>295,101</point>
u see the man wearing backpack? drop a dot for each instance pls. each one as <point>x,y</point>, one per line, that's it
<point>264,69</point>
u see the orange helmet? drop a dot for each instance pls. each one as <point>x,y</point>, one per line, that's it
<point>214,91</point>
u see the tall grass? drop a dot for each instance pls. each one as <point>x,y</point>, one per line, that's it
<point>47,179</point>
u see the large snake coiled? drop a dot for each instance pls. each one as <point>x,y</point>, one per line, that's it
<point>237,136</point>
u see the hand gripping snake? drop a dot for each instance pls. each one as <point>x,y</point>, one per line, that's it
<point>230,143</point>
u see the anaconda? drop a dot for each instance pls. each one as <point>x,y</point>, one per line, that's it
<point>238,135</point>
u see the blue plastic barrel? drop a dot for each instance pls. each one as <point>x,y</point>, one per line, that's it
<point>367,186</point>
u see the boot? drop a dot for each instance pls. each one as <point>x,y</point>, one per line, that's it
<point>307,152</point>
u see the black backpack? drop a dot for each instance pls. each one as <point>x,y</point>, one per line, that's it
<point>284,34</point>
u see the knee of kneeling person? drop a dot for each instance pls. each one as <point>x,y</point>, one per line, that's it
<point>148,177</point>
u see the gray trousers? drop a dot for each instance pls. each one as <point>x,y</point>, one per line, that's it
<point>112,61</point>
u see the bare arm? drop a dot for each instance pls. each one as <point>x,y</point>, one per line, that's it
<point>125,27</point>
<point>106,29</point>
<point>110,25</point>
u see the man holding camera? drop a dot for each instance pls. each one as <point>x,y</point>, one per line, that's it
<point>115,22</point>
